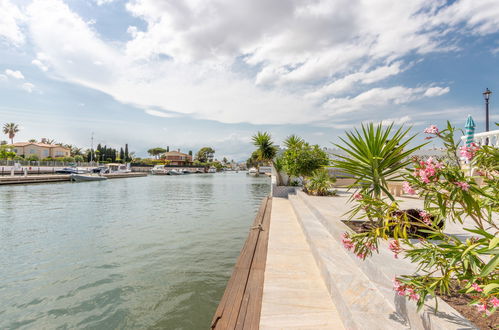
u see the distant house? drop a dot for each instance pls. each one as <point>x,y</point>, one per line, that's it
<point>42,150</point>
<point>177,158</point>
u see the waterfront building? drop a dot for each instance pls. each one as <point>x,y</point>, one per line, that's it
<point>42,150</point>
<point>177,158</point>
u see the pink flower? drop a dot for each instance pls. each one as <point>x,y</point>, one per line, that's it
<point>427,171</point>
<point>494,301</point>
<point>361,255</point>
<point>404,290</point>
<point>463,185</point>
<point>395,248</point>
<point>412,294</point>
<point>476,287</point>
<point>407,188</point>
<point>431,130</point>
<point>426,217</point>
<point>481,307</point>
<point>469,152</point>
<point>370,246</point>
<point>357,196</point>
<point>346,241</point>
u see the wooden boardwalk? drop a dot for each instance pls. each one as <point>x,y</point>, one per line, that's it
<point>240,306</point>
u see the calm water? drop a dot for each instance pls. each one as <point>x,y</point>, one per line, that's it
<point>153,252</point>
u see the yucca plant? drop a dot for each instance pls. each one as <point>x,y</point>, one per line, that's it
<point>375,154</point>
<point>320,182</point>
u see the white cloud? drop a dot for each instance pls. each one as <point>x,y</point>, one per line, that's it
<point>16,74</point>
<point>160,113</point>
<point>3,77</point>
<point>303,62</point>
<point>344,84</point>
<point>436,91</point>
<point>28,87</point>
<point>103,2</point>
<point>39,64</point>
<point>10,18</point>
<point>396,121</point>
<point>376,98</point>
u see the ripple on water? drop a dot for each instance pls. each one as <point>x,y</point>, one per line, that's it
<point>151,253</point>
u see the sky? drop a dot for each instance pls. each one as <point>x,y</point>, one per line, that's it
<point>187,74</point>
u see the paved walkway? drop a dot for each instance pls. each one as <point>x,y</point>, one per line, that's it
<point>294,293</point>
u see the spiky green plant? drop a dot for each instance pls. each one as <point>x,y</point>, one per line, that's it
<point>375,155</point>
<point>266,150</point>
<point>320,182</point>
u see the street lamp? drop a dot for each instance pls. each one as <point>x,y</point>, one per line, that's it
<point>486,96</point>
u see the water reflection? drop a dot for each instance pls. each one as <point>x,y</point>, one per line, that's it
<point>151,252</point>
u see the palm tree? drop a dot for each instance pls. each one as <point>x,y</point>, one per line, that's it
<point>293,141</point>
<point>266,150</point>
<point>11,129</point>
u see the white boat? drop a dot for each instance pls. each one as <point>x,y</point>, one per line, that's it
<point>118,168</point>
<point>86,178</point>
<point>212,169</point>
<point>253,171</point>
<point>176,172</point>
<point>160,170</point>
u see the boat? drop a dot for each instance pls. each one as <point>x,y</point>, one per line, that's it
<point>71,170</point>
<point>212,169</point>
<point>253,171</point>
<point>176,172</point>
<point>118,168</point>
<point>100,169</point>
<point>87,178</point>
<point>185,171</point>
<point>160,170</point>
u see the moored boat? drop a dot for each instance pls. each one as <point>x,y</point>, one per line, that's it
<point>253,171</point>
<point>212,169</point>
<point>86,178</point>
<point>160,170</point>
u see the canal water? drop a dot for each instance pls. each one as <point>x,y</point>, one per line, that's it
<point>139,253</point>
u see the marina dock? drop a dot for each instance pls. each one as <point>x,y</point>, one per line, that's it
<point>28,179</point>
<point>241,303</point>
<point>295,274</point>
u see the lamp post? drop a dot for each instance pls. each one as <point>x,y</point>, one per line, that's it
<point>486,96</point>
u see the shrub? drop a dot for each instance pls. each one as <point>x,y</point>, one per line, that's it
<point>79,158</point>
<point>301,159</point>
<point>33,157</point>
<point>445,262</point>
<point>320,182</point>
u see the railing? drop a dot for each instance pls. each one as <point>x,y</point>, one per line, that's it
<point>47,163</point>
<point>486,138</point>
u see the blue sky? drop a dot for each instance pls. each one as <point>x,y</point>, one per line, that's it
<point>186,74</point>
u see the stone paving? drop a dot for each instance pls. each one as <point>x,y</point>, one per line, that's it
<point>294,294</point>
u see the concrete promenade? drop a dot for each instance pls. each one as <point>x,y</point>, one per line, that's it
<point>294,293</point>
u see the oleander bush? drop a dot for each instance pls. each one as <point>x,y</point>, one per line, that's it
<point>446,263</point>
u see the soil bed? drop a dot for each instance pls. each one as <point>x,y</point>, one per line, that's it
<point>456,300</point>
<point>460,301</point>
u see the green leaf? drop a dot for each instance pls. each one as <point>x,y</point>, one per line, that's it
<point>490,287</point>
<point>493,243</point>
<point>491,266</point>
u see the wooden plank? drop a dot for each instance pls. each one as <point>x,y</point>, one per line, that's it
<point>230,311</point>
<point>249,318</point>
<point>236,299</point>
